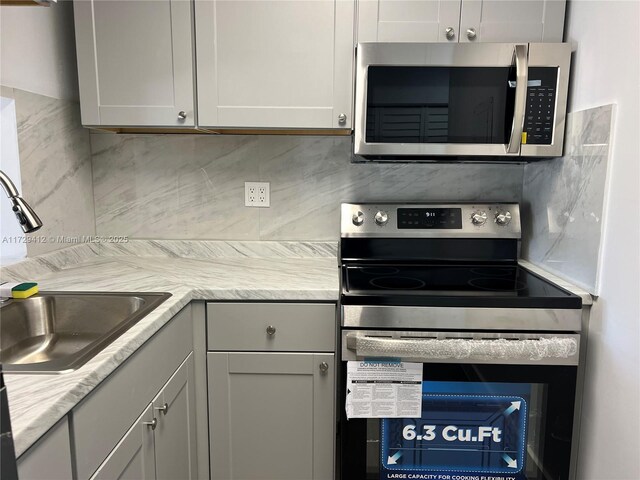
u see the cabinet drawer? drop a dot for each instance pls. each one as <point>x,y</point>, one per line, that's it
<point>283,327</point>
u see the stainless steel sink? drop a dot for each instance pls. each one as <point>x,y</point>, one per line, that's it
<point>57,332</point>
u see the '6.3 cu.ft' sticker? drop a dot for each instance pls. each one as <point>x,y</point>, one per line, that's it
<point>457,433</point>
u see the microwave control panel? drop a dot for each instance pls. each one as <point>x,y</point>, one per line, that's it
<point>541,102</point>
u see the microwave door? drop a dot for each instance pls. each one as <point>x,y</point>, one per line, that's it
<point>423,100</point>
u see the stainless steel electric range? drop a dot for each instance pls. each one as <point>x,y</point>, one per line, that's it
<point>499,346</point>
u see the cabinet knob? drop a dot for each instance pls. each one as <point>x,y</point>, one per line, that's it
<point>324,367</point>
<point>342,118</point>
<point>271,330</point>
<point>182,115</point>
<point>153,423</point>
<point>450,33</point>
<point>471,33</point>
<point>164,408</point>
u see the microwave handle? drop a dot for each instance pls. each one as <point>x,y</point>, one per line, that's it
<point>522,68</point>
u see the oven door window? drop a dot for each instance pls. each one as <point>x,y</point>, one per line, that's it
<point>502,422</point>
<point>440,104</point>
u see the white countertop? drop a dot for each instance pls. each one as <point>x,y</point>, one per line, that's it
<point>187,270</point>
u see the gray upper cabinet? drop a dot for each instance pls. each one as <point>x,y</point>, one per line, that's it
<point>460,20</point>
<point>408,20</point>
<point>512,20</point>
<point>135,62</point>
<point>275,64</point>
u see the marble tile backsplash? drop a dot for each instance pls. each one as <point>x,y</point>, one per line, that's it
<point>192,186</point>
<point>55,166</point>
<point>563,201</point>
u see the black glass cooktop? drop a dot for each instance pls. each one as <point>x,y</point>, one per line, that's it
<point>447,285</point>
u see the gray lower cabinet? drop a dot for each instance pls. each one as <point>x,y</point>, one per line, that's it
<point>175,434</point>
<point>161,443</point>
<point>50,457</point>
<point>271,415</point>
<point>103,423</point>
<point>134,456</point>
<point>142,422</point>
<point>271,381</point>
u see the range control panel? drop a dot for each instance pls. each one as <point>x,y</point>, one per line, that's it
<point>424,220</point>
<point>541,104</point>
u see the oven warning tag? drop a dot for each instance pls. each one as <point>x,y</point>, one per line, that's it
<point>384,388</point>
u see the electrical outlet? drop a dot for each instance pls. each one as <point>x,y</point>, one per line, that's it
<point>256,194</point>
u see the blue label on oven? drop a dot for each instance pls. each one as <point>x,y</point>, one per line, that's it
<point>467,430</point>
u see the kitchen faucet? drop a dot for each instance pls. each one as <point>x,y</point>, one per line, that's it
<point>27,218</point>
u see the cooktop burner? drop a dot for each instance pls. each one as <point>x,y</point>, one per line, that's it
<point>397,283</point>
<point>380,270</point>
<point>448,284</point>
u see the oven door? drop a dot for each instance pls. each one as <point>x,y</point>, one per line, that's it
<point>494,406</point>
<point>422,100</point>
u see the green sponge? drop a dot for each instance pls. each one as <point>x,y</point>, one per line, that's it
<point>19,290</point>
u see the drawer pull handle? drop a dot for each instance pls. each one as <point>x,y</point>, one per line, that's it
<point>164,408</point>
<point>324,368</point>
<point>153,423</point>
<point>271,330</point>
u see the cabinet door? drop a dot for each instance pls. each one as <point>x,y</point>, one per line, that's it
<point>50,457</point>
<point>512,20</point>
<point>408,20</point>
<point>274,64</point>
<point>271,416</point>
<point>133,457</point>
<point>135,62</point>
<point>175,435</point>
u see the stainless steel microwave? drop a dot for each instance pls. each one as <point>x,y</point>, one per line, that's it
<point>432,101</point>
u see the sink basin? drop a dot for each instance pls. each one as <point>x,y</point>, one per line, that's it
<point>57,332</point>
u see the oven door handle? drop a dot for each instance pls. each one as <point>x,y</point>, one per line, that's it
<point>546,350</point>
<point>519,110</point>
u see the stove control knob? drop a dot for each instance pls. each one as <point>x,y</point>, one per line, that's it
<point>478,218</point>
<point>358,218</point>
<point>503,218</point>
<point>381,218</point>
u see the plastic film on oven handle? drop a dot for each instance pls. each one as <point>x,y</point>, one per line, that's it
<point>443,349</point>
<point>519,110</point>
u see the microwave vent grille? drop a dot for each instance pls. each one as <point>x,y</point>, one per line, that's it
<point>415,124</point>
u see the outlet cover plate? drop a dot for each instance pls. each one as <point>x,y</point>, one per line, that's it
<point>256,194</point>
